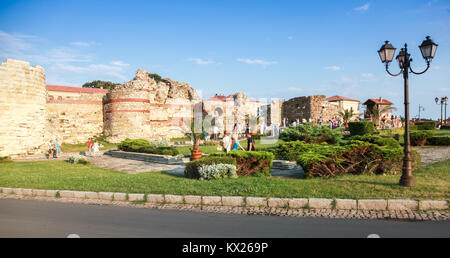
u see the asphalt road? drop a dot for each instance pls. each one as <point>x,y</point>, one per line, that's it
<point>31,218</point>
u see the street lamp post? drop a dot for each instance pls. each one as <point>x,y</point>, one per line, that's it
<point>420,109</point>
<point>387,52</point>
<point>443,102</point>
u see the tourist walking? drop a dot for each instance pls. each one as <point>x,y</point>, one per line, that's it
<point>95,147</point>
<point>51,149</point>
<point>236,145</point>
<point>226,142</point>
<point>250,142</point>
<point>90,146</point>
<point>57,148</point>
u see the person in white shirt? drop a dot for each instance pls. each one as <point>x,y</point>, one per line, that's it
<point>96,150</point>
<point>226,142</point>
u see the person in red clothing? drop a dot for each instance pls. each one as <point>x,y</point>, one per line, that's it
<point>90,146</point>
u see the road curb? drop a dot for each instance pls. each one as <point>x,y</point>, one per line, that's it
<point>240,201</point>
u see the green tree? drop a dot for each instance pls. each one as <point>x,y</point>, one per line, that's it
<point>100,85</point>
<point>376,112</point>
<point>155,77</point>
<point>347,115</point>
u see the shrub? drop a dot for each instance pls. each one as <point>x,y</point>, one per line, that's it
<point>419,137</point>
<point>217,171</point>
<point>291,150</point>
<point>144,146</point>
<point>78,159</point>
<point>439,141</point>
<point>5,159</point>
<point>428,125</point>
<point>311,134</point>
<point>250,163</point>
<point>192,168</point>
<point>361,128</point>
<point>445,127</point>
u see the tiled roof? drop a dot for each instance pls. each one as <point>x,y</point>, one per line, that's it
<point>379,101</point>
<point>74,89</point>
<point>340,98</point>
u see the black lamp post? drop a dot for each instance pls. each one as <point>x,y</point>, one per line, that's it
<point>387,52</point>
<point>444,101</point>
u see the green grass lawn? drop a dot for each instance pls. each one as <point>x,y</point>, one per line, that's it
<point>432,182</point>
<point>84,147</point>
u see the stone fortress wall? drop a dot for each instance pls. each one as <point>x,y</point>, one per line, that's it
<point>32,113</point>
<point>22,108</point>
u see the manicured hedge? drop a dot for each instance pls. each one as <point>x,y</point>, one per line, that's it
<point>427,125</point>
<point>192,168</point>
<point>439,141</point>
<point>311,134</point>
<point>419,137</point>
<point>361,128</point>
<point>250,162</point>
<point>357,155</point>
<point>144,146</point>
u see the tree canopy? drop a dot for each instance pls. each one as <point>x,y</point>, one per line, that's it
<point>100,84</point>
<point>155,77</point>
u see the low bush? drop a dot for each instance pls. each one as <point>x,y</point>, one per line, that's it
<point>311,134</point>
<point>439,141</point>
<point>419,137</point>
<point>144,146</point>
<point>361,128</point>
<point>192,168</point>
<point>250,162</point>
<point>5,159</point>
<point>217,171</point>
<point>78,159</point>
<point>427,125</point>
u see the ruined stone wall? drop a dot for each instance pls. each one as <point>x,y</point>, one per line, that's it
<point>143,108</point>
<point>74,114</point>
<point>22,108</point>
<point>309,107</point>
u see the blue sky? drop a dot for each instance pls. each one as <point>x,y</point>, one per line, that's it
<point>266,49</point>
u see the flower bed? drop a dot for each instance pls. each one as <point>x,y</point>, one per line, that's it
<point>250,162</point>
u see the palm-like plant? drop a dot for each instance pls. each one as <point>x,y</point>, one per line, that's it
<point>377,112</point>
<point>346,115</point>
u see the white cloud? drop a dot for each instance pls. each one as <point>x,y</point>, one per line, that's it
<point>256,61</point>
<point>333,68</point>
<point>363,8</point>
<point>112,70</point>
<point>119,63</point>
<point>367,75</point>
<point>83,44</point>
<point>200,61</point>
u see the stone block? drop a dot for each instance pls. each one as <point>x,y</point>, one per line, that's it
<point>27,192</point>
<point>120,197</point>
<point>396,205</point>
<point>298,203</point>
<point>66,194</point>
<point>79,194</point>
<point>105,196</point>
<point>233,201</point>
<point>17,191</point>
<point>372,205</point>
<point>39,193</point>
<point>212,200</point>
<point>155,198</point>
<point>320,203</point>
<point>173,199</point>
<point>51,193</point>
<point>433,205</point>
<point>193,199</point>
<point>278,202</point>
<point>136,197</point>
<point>346,204</point>
<point>92,196</point>
<point>7,190</point>
<point>256,202</point>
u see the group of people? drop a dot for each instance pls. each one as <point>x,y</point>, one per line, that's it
<point>231,143</point>
<point>93,147</point>
<point>54,149</point>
